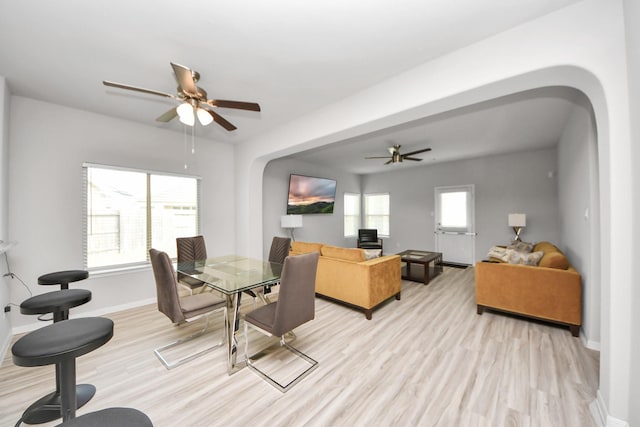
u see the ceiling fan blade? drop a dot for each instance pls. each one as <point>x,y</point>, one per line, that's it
<point>169,115</point>
<point>138,89</point>
<point>390,161</point>
<point>184,77</point>
<point>378,157</point>
<point>416,152</point>
<point>412,158</point>
<point>222,103</point>
<point>221,120</point>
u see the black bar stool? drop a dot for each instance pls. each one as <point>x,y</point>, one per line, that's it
<point>110,417</point>
<point>61,343</point>
<point>47,408</point>
<point>62,278</point>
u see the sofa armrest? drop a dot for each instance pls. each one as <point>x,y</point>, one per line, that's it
<point>364,284</point>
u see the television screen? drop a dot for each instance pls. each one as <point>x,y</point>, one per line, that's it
<point>310,195</point>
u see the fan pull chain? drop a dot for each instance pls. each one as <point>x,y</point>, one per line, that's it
<point>184,145</point>
<point>193,139</point>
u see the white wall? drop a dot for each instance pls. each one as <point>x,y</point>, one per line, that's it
<point>632,13</point>
<point>581,46</point>
<point>325,228</point>
<point>516,182</point>
<point>578,196</point>
<point>48,145</point>
<point>5,324</point>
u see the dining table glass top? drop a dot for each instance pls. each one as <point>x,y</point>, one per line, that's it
<point>232,274</point>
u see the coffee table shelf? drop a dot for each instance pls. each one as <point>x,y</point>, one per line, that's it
<point>431,263</point>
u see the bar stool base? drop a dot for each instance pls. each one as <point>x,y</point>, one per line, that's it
<point>47,408</point>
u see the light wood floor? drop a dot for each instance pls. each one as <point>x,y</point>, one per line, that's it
<point>427,360</point>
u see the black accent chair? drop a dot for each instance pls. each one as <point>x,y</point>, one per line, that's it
<point>368,239</point>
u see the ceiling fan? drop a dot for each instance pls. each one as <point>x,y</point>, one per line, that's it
<point>397,157</point>
<point>193,100</point>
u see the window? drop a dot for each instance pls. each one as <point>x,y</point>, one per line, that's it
<point>351,214</point>
<point>454,207</point>
<point>127,212</point>
<point>376,213</point>
<point>454,210</point>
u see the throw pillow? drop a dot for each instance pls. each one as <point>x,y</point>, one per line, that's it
<point>532,258</point>
<point>498,253</point>
<point>372,253</point>
<point>523,247</point>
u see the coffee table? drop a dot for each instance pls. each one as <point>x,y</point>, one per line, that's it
<point>425,258</point>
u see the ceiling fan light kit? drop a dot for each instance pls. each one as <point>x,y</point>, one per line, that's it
<point>185,114</point>
<point>193,100</point>
<point>397,157</point>
<point>204,117</point>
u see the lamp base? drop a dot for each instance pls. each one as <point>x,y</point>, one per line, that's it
<point>517,230</point>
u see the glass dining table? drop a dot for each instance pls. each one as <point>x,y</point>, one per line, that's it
<point>231,275</point>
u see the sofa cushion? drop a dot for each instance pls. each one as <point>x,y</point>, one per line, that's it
<point>554,259</point>
<point>305,247</point>
<point>545,247</point>
<point>347,254</point>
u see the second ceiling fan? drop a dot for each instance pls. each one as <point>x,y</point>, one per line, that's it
<point>397,157</point>
<point>193,100</point>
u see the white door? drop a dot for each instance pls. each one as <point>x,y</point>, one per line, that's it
<point>455,224</point>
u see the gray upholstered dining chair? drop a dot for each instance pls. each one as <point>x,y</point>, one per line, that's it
<point>190,249</point>
<point>279,250</point>
<point>294,307</point>
<point>181,309</point>
<point>280,247</point>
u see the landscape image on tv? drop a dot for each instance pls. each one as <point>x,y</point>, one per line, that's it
<point>310,195</point>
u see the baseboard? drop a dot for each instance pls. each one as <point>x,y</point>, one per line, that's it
<point>5,347</point>
<point>455,265</point>
<point>590,344</point>
<point>99,312</point>
<point>601,415</point>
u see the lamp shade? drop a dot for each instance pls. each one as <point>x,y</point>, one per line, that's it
<point>203,116</point>
<point>291,221</point>
<point>517,220</point>
<point>185,114</point>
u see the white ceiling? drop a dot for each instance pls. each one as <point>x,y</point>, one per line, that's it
<point>521,122</point>
<point>292,57</point>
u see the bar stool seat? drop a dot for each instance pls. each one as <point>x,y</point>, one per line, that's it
<point>110,417</point>
<point>62,278</point>
<point>61,343</point>
<point>56,302</point>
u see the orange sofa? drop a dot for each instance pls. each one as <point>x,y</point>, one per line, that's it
<point>346,276</point>
<point>550,291</point>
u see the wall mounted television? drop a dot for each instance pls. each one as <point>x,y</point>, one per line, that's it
<point>310,195</point>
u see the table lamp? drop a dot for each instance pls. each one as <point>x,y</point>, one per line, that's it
<point>291,222</point>
<point>517,221</point>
